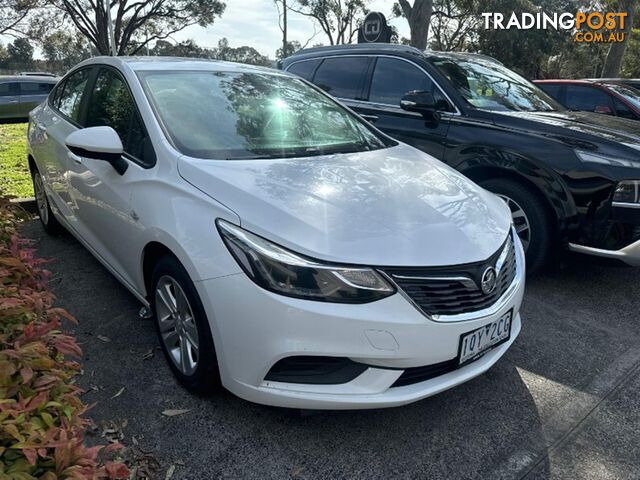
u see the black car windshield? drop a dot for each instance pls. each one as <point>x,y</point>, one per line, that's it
<point>240,115</point>
<point>488,85</point>
<point>630,94</point>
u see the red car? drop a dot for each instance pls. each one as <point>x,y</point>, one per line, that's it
<point>600,96</point>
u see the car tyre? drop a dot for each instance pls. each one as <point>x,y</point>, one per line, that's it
<point>183,328</point>
<point>47,218</point>
<point>530,218</point>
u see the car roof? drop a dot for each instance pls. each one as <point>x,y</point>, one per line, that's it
<point>29,78</point>
<point>381,48</point>
<point>177,64</point>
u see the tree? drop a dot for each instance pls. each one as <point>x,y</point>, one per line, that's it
<point>187,48</point>
<point>454,24</point>
<point>291,48</point>
<point>14,15</point>
<point>338,19</point>
<point>136,23</point>
<point>613,62</point>
<point>242,54</point>
<point>419,18</point>
<point>63,50</point>
<point>20,53</point>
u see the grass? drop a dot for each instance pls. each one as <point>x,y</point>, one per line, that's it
<point>15,179</point>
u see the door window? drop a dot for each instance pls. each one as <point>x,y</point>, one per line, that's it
<point>304,69</point>
<point>33,88</point>
<point>585,98</point>
<point>111,105</point>
<point>71,96</point>
<point>552,89</point>
<point>8,89</point>
<point>393,78</point>
<point>622,110</point>
<point>342,77</point>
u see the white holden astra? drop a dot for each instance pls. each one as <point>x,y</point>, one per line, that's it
<point>288,250</point>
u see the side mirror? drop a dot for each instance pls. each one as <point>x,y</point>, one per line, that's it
<point>418,101</point>
<point>98,143</point>
<point>604,109</point>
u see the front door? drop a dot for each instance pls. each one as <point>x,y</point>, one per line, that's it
<point>391,79</point>
<point>102,196</point>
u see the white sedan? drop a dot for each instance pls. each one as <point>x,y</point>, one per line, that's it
<point>288,250</point>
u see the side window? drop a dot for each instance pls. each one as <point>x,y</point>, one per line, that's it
<point>623,111</point>
<point>33,88</point>
<point>393,78</point>
<point>111,105</point>
<point>304,69</point>
<point>553,90</point>
<point>342,77</point>
<point>8,89</point>
<point>71,95</point>
<point>579,97</point>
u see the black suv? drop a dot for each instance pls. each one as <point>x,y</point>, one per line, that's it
<point>570,178</point>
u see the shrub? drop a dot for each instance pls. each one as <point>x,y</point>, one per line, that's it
<point>41,414</point>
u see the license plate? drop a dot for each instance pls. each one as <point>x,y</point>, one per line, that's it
<point>476,343</point>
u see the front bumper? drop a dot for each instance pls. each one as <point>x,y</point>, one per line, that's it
<point>629,254</point>
<point>253,329</point>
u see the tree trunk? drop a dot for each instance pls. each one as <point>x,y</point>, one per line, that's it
<point>419,18</point>
<point>613,62</point>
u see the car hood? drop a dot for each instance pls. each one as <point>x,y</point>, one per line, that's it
<point>390,207</point>
<point>581,125</point>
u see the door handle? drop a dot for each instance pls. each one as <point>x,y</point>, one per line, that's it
<point>75,158</point>
<point>41,127</point>
<point>13,101</point>
<point>370,118</point>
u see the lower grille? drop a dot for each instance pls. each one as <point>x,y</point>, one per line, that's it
<point>455,290</point>
<point>420,374</point>
<point>315,370</point>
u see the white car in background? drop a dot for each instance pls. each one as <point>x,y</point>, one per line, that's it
<point>288,250</point>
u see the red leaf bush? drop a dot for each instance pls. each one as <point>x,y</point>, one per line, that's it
<point>41,415</point>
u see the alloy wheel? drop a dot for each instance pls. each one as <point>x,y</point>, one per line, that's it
<point>41,198</point>
<point>520,220</point>
<point>177,325</point>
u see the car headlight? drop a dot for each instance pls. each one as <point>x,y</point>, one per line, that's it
<point>282,271</point>
<point>627,191</point>
<point>591,157</point>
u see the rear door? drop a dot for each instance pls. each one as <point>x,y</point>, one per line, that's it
<point>9,100</point>
<point>33,94</point>
<point>57,119</point>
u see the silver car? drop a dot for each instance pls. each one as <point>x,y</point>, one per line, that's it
<point>21,94</point>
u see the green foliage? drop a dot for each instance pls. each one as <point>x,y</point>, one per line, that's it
<point>292,47</point>
<point>15,179</point>
<point>63,50</point>
<point>41,422</point>
<point>20,52</point>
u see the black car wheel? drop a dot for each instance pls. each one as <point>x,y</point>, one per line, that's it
<point>183,328</point>
<point>530,219</point>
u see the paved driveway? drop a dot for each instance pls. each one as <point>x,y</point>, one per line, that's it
<point>563,403</point>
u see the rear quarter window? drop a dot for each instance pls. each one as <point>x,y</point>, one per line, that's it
<point>304,68</point>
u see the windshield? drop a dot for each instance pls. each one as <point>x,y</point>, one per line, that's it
<point>630,94</point>
<point>231,115</point>
<point>490,86</point>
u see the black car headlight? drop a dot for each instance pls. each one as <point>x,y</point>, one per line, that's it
<point>282,271</point>
<point>627,191</point>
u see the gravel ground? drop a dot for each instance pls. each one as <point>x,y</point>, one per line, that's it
<point>564,402</point>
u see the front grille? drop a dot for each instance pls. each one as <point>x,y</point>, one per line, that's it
<point>457,289</point>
